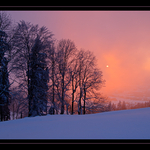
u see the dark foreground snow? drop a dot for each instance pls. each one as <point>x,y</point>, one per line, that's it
<point>124,124</point>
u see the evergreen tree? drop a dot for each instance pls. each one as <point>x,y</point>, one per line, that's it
<point>109,107</point>
<point>24,38</point>
<point>119,105</point>
<point>113,107</point>
<point>38,77</point>
<point>124,105</point>
<point>4,82</point>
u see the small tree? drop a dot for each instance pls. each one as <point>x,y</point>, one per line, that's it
<point>119,105</point>
<point>4,82</point>
<point>124,105</point>
<point>19,103</point>
<point>109,107</point>
<point>38,78</point>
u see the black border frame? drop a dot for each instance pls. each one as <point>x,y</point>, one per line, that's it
<point>78,8</point>
<point>75,8</point>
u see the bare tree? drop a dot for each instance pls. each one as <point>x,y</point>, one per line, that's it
<point>5,21</point>
<point>65,51</point>
<point>74,80</point>
<point>90,77</point>
<point>18,103</point>
<point>81,59</point>
<point>92,82</point>
<point>95,104</point>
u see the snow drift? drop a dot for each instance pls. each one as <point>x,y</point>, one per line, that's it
<point>124,124</point>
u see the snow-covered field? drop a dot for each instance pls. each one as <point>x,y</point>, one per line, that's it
<point>124,124</point>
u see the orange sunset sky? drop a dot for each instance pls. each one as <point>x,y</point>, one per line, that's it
<point>119,39</point>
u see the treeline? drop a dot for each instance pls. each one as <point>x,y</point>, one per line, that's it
<point>40,75</point>
<point>122,106</point>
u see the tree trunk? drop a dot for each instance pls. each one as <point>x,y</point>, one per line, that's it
<point>1,113</point>
<point>79,111</point>
<point>79,105</point>
<point>29,93</point>
<point>72,95</point>
<point>29,90</point>
<point>13,112</point>
<point>72,102</point>
<point>84,101</point>
<point>21,114</point>
<point>53,71</point>
<point>62,100</point>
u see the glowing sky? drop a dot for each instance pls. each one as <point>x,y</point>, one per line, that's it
<point>119,39</point>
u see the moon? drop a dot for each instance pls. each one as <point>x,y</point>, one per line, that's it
<point>107,66</point>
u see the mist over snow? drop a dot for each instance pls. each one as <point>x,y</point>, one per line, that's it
<point>124,124</point>
<point>136,95</point>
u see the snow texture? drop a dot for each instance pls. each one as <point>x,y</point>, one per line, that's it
<point>124,124</point>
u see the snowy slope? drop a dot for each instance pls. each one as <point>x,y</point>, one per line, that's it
<point>124,124</point>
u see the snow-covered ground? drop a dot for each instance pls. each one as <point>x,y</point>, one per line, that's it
<point>124,124</point>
